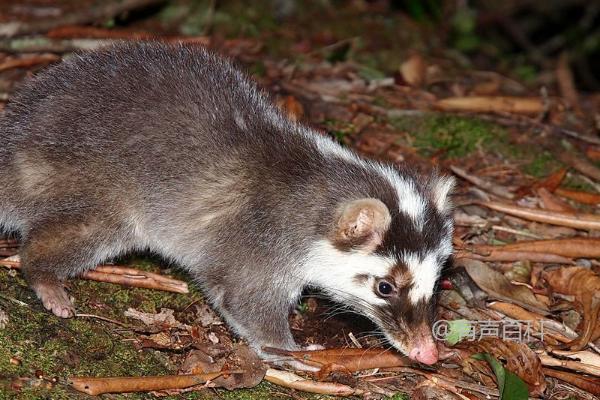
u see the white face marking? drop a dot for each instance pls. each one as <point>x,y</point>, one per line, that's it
<point>410,202</point>
<point>334,271</point>
<point>426,271</point>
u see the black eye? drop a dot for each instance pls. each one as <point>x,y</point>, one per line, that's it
<point>384,288</point>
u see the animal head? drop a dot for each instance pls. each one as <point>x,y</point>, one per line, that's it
<point>384,259</point>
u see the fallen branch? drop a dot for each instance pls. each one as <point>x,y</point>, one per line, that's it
<point>120,275</point>
<point>579,221</point>
<point>96,386</point>
<point>84,15</point>
<point>483,184</point>
<point>502,255</point>
<point>571,247</point>
<point>588,384</point>
<point>345,360</point>
<point>293,381</point>
<point>566,83</point>
<point>499,104</point>
<point>573,365</point>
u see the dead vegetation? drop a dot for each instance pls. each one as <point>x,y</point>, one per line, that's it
<point>527,239</point>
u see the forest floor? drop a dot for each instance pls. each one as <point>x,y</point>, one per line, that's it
<point>522,141</point>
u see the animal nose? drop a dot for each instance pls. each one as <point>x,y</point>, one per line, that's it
<point>425,352</point>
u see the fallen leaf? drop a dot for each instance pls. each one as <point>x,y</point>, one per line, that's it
<point>499,287</point>
<point>584,284</point>
<point>413,70</point>
<point>164,319</point>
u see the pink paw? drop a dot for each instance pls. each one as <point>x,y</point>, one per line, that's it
<point>55,299</point>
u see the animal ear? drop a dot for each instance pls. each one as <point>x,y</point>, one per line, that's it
<point>361,224</point>
<point>441,186</point>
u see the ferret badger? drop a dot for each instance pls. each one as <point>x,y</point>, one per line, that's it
<point>171,149</point>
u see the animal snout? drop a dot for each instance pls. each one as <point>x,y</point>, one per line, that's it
<point>425,352</point>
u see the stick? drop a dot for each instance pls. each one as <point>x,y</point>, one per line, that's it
<point>572,247</point>
<point>483,184</point>
<point>120,275</point>
<point>501,255</point>
<point>85,15</point>
<point>96,386</point>
<point>549,361</point>
<point>502,104</point>
<point>579,221</point>
<point>293,381</point>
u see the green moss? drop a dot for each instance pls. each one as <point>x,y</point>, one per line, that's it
<point>542,165</point>
<point>458,136</point>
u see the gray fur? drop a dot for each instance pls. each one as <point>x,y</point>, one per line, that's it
<point>171,149</point>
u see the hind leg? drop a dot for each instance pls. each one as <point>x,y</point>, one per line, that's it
<point>56,249</point>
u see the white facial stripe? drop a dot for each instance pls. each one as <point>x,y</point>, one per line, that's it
<point>334,271</point>
<point>410,202</point>
<point>425,274</point>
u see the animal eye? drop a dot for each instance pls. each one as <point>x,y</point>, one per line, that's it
<point>384,288</point>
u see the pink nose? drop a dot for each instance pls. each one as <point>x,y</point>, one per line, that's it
<point>426,353</point>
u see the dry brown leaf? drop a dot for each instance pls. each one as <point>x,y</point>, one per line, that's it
<point>413,70</point>
<point>584,284</point>
<point>164,319</point>
<point>499,287</point>
<point>292,107</point>
<point>553,203</point>
<point>241,358</point>
<point>581,197</point>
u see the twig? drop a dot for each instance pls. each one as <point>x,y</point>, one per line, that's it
<point>121,276</point>
<point>517,105</point>
<point>511,256</point>
<point>579,221</point>
<point>112,321</point>
<point>483,184</point>
<point>84,15</point>
<point>566,83</point>
<point>96,386</point>
<point>293,381</point>
<point>577,247</point>
<point>516,231</point>
<point>549,361</point>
